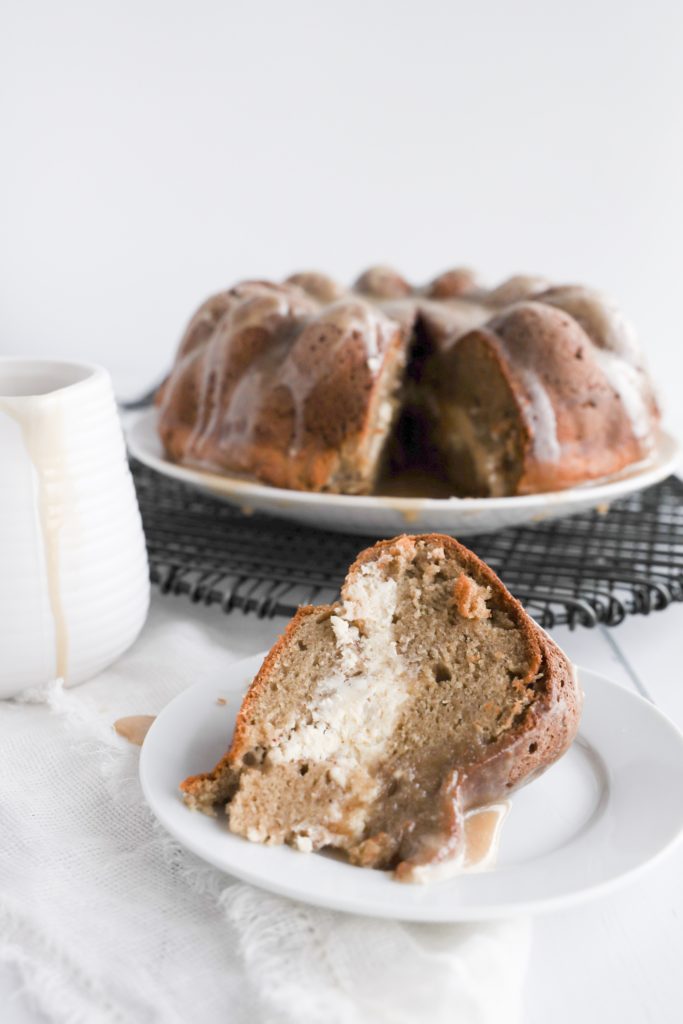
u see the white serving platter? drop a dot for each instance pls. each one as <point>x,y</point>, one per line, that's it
<point>387,516</point>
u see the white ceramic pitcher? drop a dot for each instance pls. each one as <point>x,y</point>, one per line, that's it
<point>74,582</point>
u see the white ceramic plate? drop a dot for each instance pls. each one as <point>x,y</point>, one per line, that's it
<point>386,517</point>
<point>610,807</point>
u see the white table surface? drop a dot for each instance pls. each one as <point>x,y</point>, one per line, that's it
<point>615,959</point>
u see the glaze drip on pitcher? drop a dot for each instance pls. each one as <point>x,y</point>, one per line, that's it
<point>42,430</point>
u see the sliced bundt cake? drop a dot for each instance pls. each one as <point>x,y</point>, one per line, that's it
<point>308,385</point>
<point>375,725</point>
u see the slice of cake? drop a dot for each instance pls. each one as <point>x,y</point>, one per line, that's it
<point>376,724</point>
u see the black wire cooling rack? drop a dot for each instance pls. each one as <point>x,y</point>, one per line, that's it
<point>596,567</point>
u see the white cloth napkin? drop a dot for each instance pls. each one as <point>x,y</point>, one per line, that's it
<point>104,918</point>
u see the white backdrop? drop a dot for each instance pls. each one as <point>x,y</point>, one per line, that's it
<point>156,151</point>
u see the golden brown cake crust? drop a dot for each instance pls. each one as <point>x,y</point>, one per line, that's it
<point>571,408</point>
<point>283,388</point>
<point>545,729</point>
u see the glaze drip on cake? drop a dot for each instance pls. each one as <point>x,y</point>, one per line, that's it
<point>521,388</point>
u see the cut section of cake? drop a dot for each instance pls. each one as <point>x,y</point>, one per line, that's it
<point>374,726</point>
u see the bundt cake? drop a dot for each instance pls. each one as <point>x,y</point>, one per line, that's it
<point>307,385</point>
<point>377,725</point>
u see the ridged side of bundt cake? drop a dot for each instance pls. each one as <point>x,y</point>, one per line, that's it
<point>272,384</point>
<point>375,725</point>
<point>539,399</point>
<point>307,385</point>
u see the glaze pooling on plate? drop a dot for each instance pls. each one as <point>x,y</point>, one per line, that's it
<point>482,831</point>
